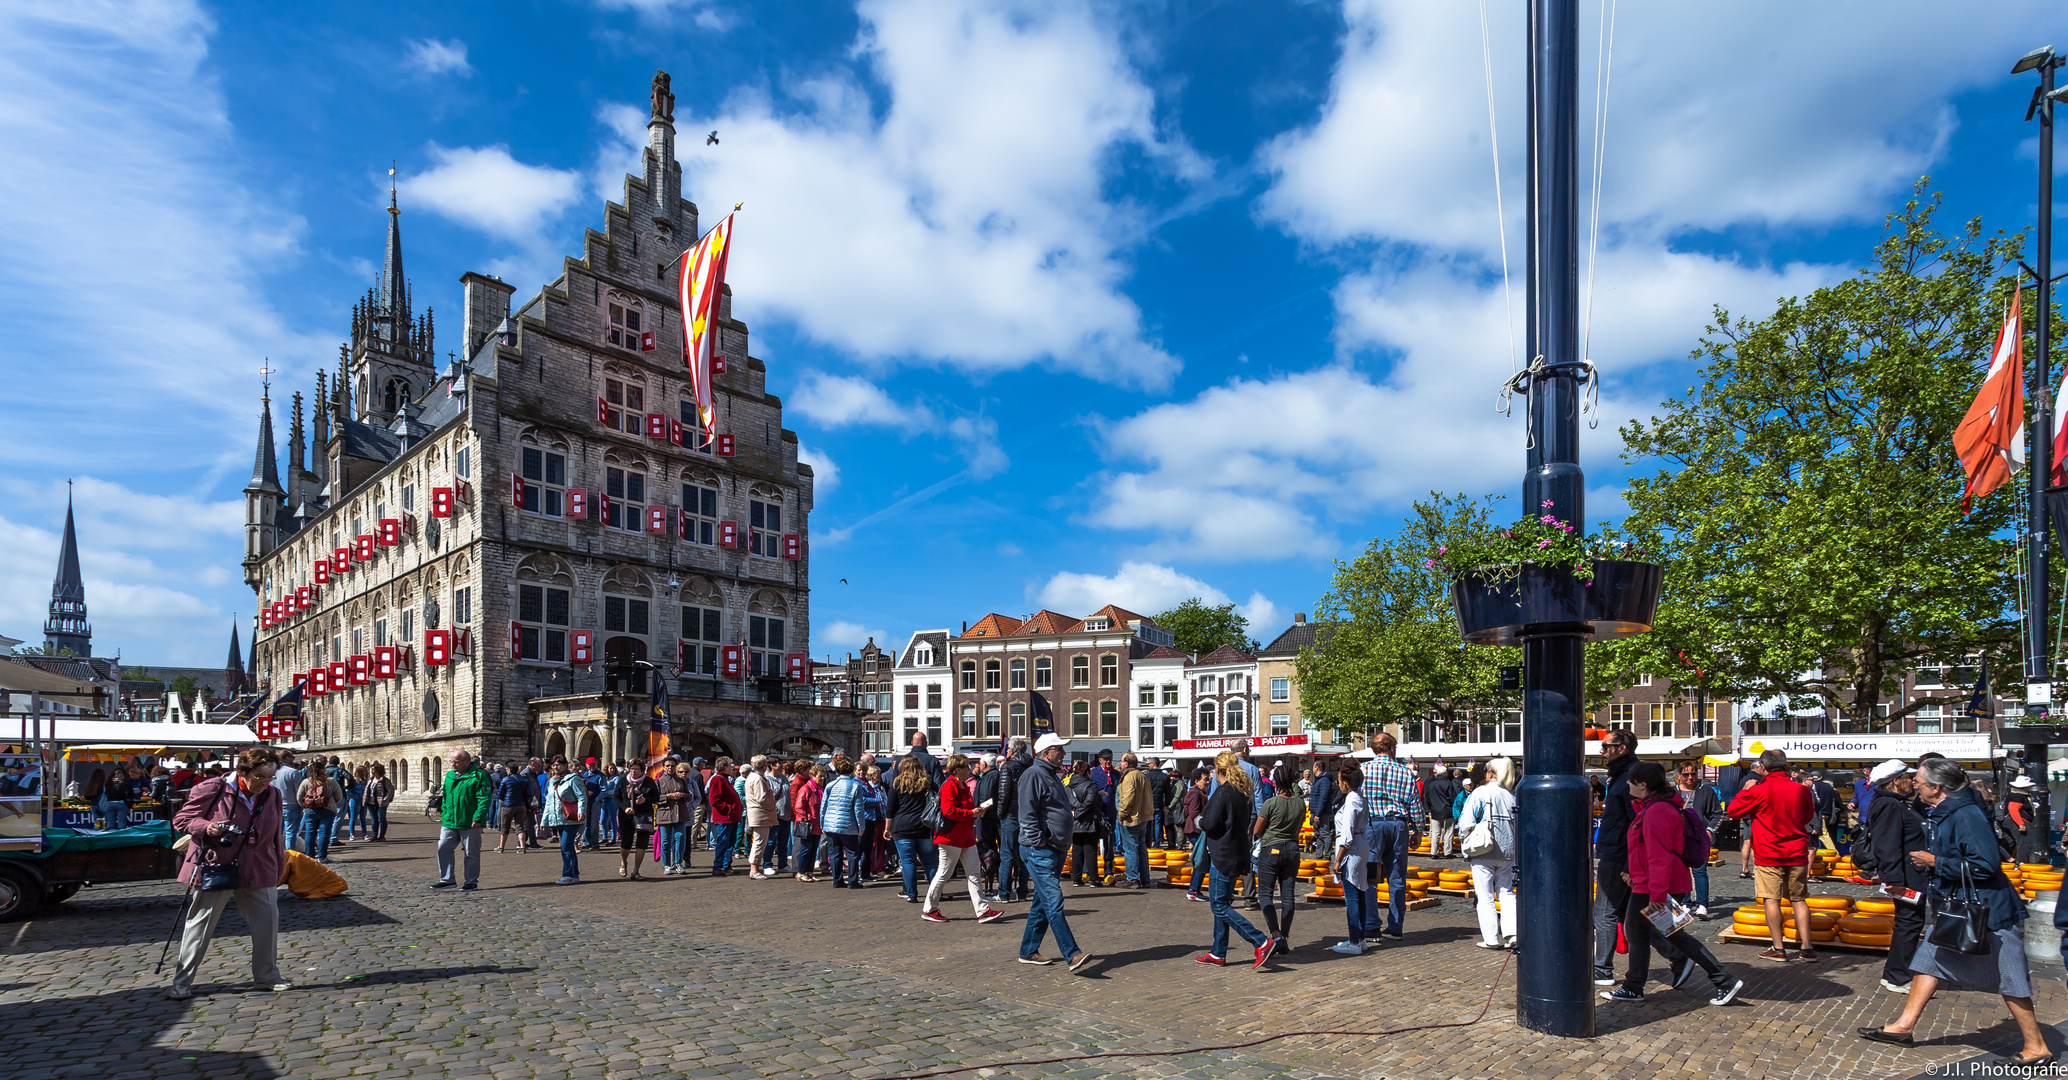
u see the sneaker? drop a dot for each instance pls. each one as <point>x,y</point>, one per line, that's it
<point>1702,912</point>
<point>1725,994</point>
<point>468,887</point>
<point>1078,962</point>
<point>1371,943</point>
<point>179,994</point>
<point>1396,935</point>
<point>1621,993</point>
<point>991,914</point>
<point>275,986</point>
<point>446,885</point>
<point>1682,970</point>
<point>564,880</point>
<point>1776,955</point>
<point>1489,944</point>
<point>1209,958</point>
<point>1894,987</point>
<point>1195,896</point>
<point>1604,977</point>
<point>1263,953</point>
<point>1036,959</point>
<point>904,896</point>
<point>933,916</point>
<point>1807,956</point>
<point>1347,948</point>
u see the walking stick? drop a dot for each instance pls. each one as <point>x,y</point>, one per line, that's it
<point>178,924</point>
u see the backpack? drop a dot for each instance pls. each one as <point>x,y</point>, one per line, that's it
<point>1695,839</point>
<point>315,798</point>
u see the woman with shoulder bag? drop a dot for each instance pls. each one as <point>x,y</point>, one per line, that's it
<point>235,850</point>
<point>805,791</point>
<point>567,807</point>
<point>910,791</point>
<point>955,839</point>
<point>380,791</point>
<point>639,795</point>
<point>1975,939</point>
<point>1488,817</point>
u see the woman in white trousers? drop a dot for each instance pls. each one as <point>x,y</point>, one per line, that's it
<point>1492,804</point>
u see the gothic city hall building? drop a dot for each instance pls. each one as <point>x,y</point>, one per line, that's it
<point>494,553</point>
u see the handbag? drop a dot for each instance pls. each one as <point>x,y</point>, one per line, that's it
<point>930,815</point>
<point>1959,922</point>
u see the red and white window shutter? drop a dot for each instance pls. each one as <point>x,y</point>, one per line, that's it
<point>340,675</point>
<point>730,661</point>
<point>361,667</point>
<point>675,432</point>
<point>656,425</point>
<point>725,444</point>
<point>517,490</point>
<point>793,546</point>
<point>581,646</point>
<point>384,661</point>
<point>657,519</point>
<point>646,341</point>
<point>682,524</point>
<point>301,598</point>
<point>462,643</point>
<point>602,411</point>
<point>364,541</point>
<point>391,532</point>
<point>603,506</point>
<point>717,364</point>
<point>799,670</point>
<point>729,534</point>
<point>683,654</point>
<point>441,502</point>
<point>321,572</point>
<point>437,646</point>
<point>341,560</point>
<point>319,682</point>
<point>578,503</point>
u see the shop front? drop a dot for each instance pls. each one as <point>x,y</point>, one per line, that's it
<point>1973,749</point>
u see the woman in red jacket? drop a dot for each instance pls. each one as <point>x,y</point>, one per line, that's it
<point>957,843</point>
<point>805,789</point>
<point>1658,873</point>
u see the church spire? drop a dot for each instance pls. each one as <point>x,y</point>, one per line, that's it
<point>262,496</point>
<point>265,470</point>
<point>67,628</point>
<point>393,300</point>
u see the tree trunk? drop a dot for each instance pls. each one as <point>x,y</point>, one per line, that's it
<point>1868,667</point>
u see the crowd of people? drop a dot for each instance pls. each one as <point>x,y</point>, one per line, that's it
<point>1009,824</point>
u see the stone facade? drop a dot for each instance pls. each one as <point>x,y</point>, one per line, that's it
<point>587,530</point>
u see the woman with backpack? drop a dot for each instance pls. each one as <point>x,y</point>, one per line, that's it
<point>911,791</point>
<point>1660,827</point>
<point>1486,825</point>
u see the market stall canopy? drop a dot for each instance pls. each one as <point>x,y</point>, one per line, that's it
<point>135,738</point>
<point>20,678</point>
<point>1871,747</point>
<point>1455,755</point>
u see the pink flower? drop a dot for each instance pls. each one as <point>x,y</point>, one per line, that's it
<point>1428,564</point>
<point>1442,548</point>
<point>1543,543</point>
<point>1547,504</point>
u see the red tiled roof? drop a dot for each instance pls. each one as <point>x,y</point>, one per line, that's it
<point>1121,616</point>
<point>1165,652</point>
<point>993,625</point>
<point>1226,654</point>
<point>1048,622</point>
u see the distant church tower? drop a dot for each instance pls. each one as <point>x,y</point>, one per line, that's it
<point>67,628</point>
<point>392,359</point>
<point>263,498</point>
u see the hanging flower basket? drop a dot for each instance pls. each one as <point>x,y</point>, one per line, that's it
<point>1496,604</point>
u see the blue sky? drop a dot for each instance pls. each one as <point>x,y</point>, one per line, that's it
<point>1070,303</point>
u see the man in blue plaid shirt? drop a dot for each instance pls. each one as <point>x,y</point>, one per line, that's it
<point>1393,798</point>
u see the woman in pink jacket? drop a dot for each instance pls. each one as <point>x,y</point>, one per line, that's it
<point>233,827</point>
<point>1658,873</point>
<point>805,789</point>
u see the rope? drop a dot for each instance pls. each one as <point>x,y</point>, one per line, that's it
<point>1523,381</point>
<point>1605,45</point>
<point>1483,1008</point>
<point>1486,58</point>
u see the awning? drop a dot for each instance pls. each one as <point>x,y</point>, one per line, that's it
<point>1871,747</point>
<point>113,753</point>
<point>21,678</point>
<point>1457,754</point>
<point>140,738</point>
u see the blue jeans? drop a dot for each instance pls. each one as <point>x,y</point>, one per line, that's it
<point>380,821</point>
<point>355,818</point>
<point>1010,865</point>
<point>847,856</point>
<point>607,819</point>
<point>915,858</point>
<point>673,851</point>
<point>1701,886</point>
<point>1045,866</point>
<point>291,822</point>
<point>1359,907</point>
<point>1389,844</point>
<point>807,851</point>
<point>1220,895</point>
<point>570,866</point>
<point>724,838</point>
<point>1137,840</point>
<point>316,829</point>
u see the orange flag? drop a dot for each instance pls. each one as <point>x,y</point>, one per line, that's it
<point>1991,437</point>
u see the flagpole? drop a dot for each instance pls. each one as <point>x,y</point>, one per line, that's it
<point>2038,654</point>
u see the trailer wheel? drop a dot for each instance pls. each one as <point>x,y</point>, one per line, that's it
<point>58,894</point>
<point>19,892</point>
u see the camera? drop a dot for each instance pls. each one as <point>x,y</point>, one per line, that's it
<point>231,831</point>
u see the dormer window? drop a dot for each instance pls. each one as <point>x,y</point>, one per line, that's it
<point>1098,624</point>
<point>923,657</point>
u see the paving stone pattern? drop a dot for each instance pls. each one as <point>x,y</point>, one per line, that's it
<point>778,978</point>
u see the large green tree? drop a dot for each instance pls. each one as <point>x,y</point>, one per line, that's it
<point>1808,502</point>
<point>1387,646</point>
<point>1201,627</point>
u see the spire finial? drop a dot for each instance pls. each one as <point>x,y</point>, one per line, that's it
<point>392,208</point>
<point>266,381</point>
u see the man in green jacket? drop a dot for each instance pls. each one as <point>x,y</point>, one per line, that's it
<point>461,814</point>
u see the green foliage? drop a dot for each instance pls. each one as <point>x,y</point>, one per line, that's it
<point>1808,510</point>
<point>186,686</point>
<point>1202,629</point>
<point>1540,538</point>
<point>1387,649</point>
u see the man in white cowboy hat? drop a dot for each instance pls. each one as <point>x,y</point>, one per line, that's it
<point>2028,820</point>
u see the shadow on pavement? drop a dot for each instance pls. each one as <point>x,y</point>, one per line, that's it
<point>136,920</point>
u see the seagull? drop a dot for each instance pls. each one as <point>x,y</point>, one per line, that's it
<point>843,581</point>
<point>711,139</point>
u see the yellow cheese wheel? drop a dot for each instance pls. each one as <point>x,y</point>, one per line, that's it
<point>1878,941</point>
<point>1863,924</point>
<point>1817,935</point>
<point>1875,907</point>
<point>2044,868</point>
<point>1830,903</point>
<point>2044,881</point>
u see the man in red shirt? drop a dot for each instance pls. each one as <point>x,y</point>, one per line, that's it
<point>1780,811</point>
<point>726,810</point>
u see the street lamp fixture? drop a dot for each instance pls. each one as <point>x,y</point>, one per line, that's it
<point>2033,59</point>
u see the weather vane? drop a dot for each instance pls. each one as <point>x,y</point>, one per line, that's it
<point>266,380</point>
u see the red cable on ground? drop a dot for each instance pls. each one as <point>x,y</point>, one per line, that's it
<point>1483,1009</point>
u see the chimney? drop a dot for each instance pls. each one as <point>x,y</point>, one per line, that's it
<point>1299,618</point>
<point>965,626</point>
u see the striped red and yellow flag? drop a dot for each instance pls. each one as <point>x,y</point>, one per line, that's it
<point>703,281</point>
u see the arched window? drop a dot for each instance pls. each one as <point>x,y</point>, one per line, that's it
<point>1044,673</point>
<point>990,674</point>
<point>703,626</point>
<point>991,721</point>
<point>394,395</point>
<point>1080,672</point>
<point>1017,713</point>
<point>621,401</point>
<point>969,721</point>
<point>969,674</point>
<point>1233,721</point>
<point>1209,722</point>
<point>1019,675</point>
<point>1109,670</point>
<point>627,329</point>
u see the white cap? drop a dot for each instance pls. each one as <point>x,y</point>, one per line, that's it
<point>1887,770</point>
<point>1042,744</point>
<point>990,759</point>
<point>2023,782</point>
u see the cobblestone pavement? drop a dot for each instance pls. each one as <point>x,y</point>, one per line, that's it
<point>703,977</point>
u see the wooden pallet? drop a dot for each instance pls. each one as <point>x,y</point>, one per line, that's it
<point>1452,892</point>
<point>1412,905</point>
<point>1730,933</point>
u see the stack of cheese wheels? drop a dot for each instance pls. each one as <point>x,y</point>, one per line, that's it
<point>1423,874</point>
<point>1821,864</point>
<point>1421,847</point>
<point>1825,911</point>
<point>1326,887</point>
<point>1870,929</point>
<point>1313,868</point>
<point>1177,868</point>
<point>1417,888</point>
<point>1454,879</point>
<point>1158,857</point>
<point>2037,877</point>
<point>1844,866</point>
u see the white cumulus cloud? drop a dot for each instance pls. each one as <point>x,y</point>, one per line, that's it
<point>1139,586</point>
<point>842,400</point>
<point>825,474</point>
<point>430,56</point>
<point>842,635</point>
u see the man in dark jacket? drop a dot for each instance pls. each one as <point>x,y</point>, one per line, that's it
<point>1612,858</point>
<point>1012,868</point>
<point>1895,830</point>
<point>1108,780</point>
<point>1159,793</point>
<point>1045,830</point>
<point>926,761</point>
<point>987,821</point>
<point>1438,793</point>
<point>1323,800</point>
